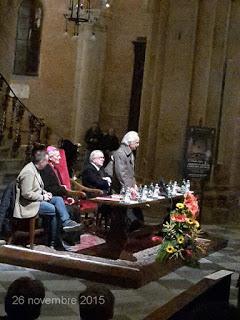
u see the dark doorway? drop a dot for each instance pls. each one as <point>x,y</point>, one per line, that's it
<point>137,82</point>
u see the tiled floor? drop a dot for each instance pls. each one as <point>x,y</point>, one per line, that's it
<point>130,304</point>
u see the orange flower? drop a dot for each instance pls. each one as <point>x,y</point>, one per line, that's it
<point>191,203</point>
<point>178,217</point>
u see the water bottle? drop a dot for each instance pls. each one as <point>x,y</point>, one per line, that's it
<point>183,186</point>
<point>122,192</point>
<point>156,191</point>
<point>144,193</point>
<point>169,191</point>
<point>139,193</point>
<point>140,190</point>
<point>127,196</point>
<point>150,191</point>
<point>174,188</point>
<point>188,186</point>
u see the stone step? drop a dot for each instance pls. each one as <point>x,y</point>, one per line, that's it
<point>9,165</point>
<point>4,151</point>
<point>7,177</point>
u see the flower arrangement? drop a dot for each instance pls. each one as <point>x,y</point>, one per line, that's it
<point>180,234</point>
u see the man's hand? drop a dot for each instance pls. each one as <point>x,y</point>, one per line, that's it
<point>97,192</point>
<point>47,196</point>
<point>82,194</point>
<point>133,193</point>
<point>108,179</point>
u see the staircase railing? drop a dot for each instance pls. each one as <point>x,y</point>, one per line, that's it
<point>18,125</point>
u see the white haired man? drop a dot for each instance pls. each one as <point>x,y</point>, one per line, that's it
<point>93,175</point>
<point>122,164</point>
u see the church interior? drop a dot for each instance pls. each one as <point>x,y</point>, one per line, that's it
<point>133,107</point>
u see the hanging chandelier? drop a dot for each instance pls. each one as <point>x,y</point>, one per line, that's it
<point>80,11</point>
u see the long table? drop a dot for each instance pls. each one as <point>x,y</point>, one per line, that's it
<point>118,235</point>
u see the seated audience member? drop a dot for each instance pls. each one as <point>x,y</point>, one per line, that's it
<point>110,140</point>
<point>96,303</point>
<point>71,153</point>
<point>93,137</point>
<point>94,176</point>
<point>110,143</point>
<point>24,299</point>
<point>93,140</point>
<point>33,199</point>
<point>52,179</point>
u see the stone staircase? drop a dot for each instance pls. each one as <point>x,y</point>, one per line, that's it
<point>19,129</point>
<point>9,167</point>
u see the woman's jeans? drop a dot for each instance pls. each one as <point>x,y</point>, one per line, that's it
<point>56,210</point>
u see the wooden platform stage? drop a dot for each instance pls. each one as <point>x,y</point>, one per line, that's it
<point>121,272</point>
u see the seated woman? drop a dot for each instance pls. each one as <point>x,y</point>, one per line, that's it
<point>33,199</point>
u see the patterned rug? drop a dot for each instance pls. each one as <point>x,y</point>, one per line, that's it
<point>87,241</point>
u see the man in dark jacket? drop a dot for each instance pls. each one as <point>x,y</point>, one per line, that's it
<point>94,176</point>
<point>110,143</point>
<point>93,137</point>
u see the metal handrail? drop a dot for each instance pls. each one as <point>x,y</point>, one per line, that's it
<point>3,79</point>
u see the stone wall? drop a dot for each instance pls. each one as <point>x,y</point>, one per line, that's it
<point>79,77</point>
<point>128,20</point>
<point>191,77</point>
<point>51,92</point>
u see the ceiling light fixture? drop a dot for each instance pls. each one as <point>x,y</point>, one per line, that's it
<point>80,11</point>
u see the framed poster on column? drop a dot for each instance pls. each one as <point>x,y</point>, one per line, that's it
<point>198,155</point>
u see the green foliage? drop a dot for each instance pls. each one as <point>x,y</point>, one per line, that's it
<point>180,235</point>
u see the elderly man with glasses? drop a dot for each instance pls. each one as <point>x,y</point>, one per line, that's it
<point>93,175</point>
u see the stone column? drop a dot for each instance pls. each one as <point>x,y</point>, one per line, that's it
<point>229,135</point>
<point>152,78</point>
<point>213,114</point>
<point>91,51</point>
<point>217,62</point>
<point>202,61</point>
<point>165,106</point>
